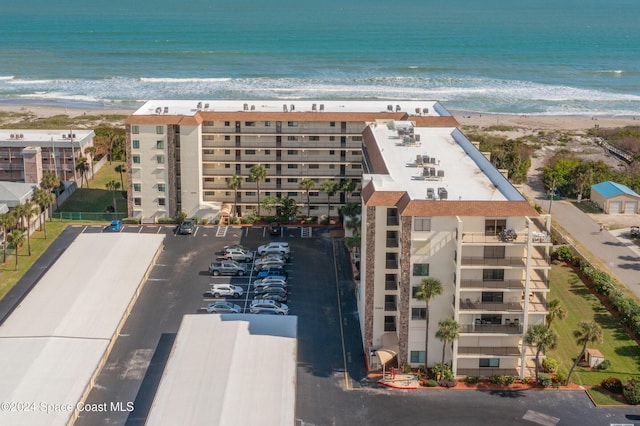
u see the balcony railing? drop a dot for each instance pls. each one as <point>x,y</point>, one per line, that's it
<point>491,329</point>
<point>536,261</point>
<point>467,305</point>
<point>392,242</point>
<point>392,264</point>
<point>390,285</point>
<point>534,284</point>
<point>489,350</point>
<point>390,306</point>
<point>392,221</point>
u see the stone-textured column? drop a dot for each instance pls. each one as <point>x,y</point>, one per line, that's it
<point>369,282</point>
<point>404,286</point>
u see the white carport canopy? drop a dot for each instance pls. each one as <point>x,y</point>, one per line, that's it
<point>389,349</point>
<point>55,341</point>
<point>230,369</point>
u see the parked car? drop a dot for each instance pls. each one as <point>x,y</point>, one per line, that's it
<point>238,254</point>
<point>270,280</point>
<point>275,256</point>
<point>218,290</point>
<point>275,228</point>
<point>272,271</point>
<point>271,288</point>
<point>186,227</point>
<point>267,263</point>
<point>274,247</point>
<point>265,305</point>
<point>223,308</point>
<point>115,226</point>
<point>235,246</point>
<point>635,232</point>
<point>227,267</point>
<point>278,297</point>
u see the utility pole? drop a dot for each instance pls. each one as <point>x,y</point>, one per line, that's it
<point>552,193</point>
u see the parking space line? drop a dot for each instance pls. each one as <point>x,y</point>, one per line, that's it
<point>344,354</point>
<point>140,230</point>
<point>197,229</point>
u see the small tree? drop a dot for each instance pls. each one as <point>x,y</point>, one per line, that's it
<point>181,215</point>
<point>121,169</point>
<point>234,182</point>
<point>587,332</point>
<point>7,221</point>
<point>82,167</point>
<point>113,186</point>
<point>428,289</point>
<point>348,186</point>
<point>44,199</point>
<point>16,239</point>
<point>543,338</point>
<point>555,310</point>
<point>307,184</point>
<point>448,332</point>
<point>257,174</point>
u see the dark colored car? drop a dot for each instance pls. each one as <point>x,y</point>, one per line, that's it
<point>277,297</point>
<point>271,271</point>
<point>275,228</point>
<point>270,289</point>
<point>186,227</point>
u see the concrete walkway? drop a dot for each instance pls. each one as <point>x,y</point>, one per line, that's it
<point>620,255</point>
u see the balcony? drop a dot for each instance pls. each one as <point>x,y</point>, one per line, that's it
<point>537,261</point>
<point>491,329</point>
<point>489,351</point>
<point>468,305</point>
<point>534,284</point>
<point>481,238</point>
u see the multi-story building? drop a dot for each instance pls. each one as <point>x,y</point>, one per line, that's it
<point>25,155</point>
<point>182,153</point>
<point>433,206</point>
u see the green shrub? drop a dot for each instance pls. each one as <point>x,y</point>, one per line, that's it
<point>550,365</point>
<point>495,379</point>
<point>604,365</point>
<point>432,383</point>
<point>631,391</point>
<point>545,380</point>
<point>508,380</point>
<point>561,377</point>
<point>166,220</point>
<point>131,220</point>
<point>233,220</point>
<point>204,221</point>
<point>472,379</point>
<point>565,253</point>
<point>612,384</point>
<point>249,219</point>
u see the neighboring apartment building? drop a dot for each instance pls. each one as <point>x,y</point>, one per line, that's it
<point>181,153</point>
<point>435,206</point>
<point>25,155</point>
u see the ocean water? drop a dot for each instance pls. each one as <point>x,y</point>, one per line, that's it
<point>542,57</point>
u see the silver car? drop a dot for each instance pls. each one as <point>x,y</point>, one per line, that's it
<point>223,308</point>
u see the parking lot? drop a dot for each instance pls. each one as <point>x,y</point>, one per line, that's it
<point>332,387</point>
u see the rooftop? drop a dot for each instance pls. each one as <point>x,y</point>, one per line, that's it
<point>17,137</point>
<point>433,163</point>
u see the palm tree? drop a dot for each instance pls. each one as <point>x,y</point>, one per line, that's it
<point>82,167</point>
<point>49,182</point>
<point>113,186</point>
<point>258,173</point>
<point>587,332</point>
<point>7,221</point>
<point>44,199</point>
<point>289,207</point>
<point>555,310</point>
<point>121,168</point>
<point>428,289</point>
<point>19,212</point>
<point>234,182</point>
<point>348,186</point>
<point>31,209</point>
<point>91,150</point>
<point>543,338</point>
<point>16,239</point>
<point>330,187</point>
<point>307,184</point>
<point>448,332</point>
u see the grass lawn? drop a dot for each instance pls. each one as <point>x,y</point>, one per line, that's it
<point>97,197</point>
<point>621,350</point>
<point>8,275</point>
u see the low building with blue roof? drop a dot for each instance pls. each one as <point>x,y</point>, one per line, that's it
<point>615,198</point>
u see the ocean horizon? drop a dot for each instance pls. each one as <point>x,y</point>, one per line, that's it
<point>565,57</point>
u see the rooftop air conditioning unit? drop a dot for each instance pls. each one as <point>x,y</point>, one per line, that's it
<point>199,106</point>
<point>284,107</point>
<point>314,107</point>
<point>397,108</point>
<point>158,110</point>
<point>417,138</point>
<point>417,110</point>
<point>440,173</point>
<point>425,110</point>
<point>431,194</point>
<point>206,106</point>
<point>12,136</point>
<point>321,107</point>
<point>292,107</point>
<point>63,136</point>
<point>253,107</point>
<point>166,110</point>
<point>389,107</point>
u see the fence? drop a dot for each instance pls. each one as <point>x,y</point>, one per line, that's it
<point>94,216</point>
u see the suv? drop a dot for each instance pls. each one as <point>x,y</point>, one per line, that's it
<point>227,267</point>
<point>275,228</point>
<point>218,290</point>
<point>274,247</point>
<point>272,271</point>
<point>238,254</point>
<point>186,227</point>
<point>266,305</point>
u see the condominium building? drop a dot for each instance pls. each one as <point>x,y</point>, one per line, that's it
<point>433,206</point>
<point>25,155</point>
<point>182,153</point>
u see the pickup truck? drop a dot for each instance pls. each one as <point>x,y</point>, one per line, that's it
<point>227,267</point>
<point>237,254</point>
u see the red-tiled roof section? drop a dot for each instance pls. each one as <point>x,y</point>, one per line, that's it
<point>373,155</point>
<point>465,208</point>
<point>301,116</point>
<point>165,119</point>
<point>434,121</point>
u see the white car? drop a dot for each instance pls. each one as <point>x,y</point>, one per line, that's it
<point>223,308</point>
<point>274,247</point>
<point>269,281</point>
<point>218,290</point>
<point>265,263</point>
<point>266,305</point>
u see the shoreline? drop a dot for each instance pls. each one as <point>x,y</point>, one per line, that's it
<point>465,118</point>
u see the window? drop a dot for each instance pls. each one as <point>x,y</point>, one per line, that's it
<point>292,138</point>
<point>292,152</point>
<point>159,130</point>
<point>250,123</point>
<point>161,201</point>
<point>227,123</point>
<point>494,226</point>
<point>356,153</point>
<point>494,252</point>
<point>160,159</point>
<point>356,138</point>
<point>332,166</point>
<point>314,193</point>
<point>135,130</point>
<point>227,138</point>
<point>422,224</point>
<point>332,138</point>
<point>292,166</point>
<point>159,144</point>
<point>250,193</point>
<point>292,194</point>
<point>420,269</point>
<point>314,166</point>
<point>492,297</point>
<point>292,124</point>
<point>414,291</point>
<point>135,144</point>
<point>267,124</point>
<point>248,166</point>
<point>332,124</point>
<point>267,152</point>
<point>136,159</point>
<point>389,323</point>
<point>207,123</point>
<point>137,201</point>
<point>418,313</point>
<point>314,138</point>
<point>292,180</point>
<point>417,357</point>
<point>161,187</point>
<point>137,187</point>
<point>208,151</point>
<point>493,275</point>
<point>356,166</point>
<point>489,362</point>
<point>332,152</point>
<point>227,152</point>
<point>250,152</point>
<point>227,166</point>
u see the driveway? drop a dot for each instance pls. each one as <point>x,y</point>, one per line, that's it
<point>620,255</point>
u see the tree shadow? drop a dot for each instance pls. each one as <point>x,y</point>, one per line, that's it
<point>506,393</point>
